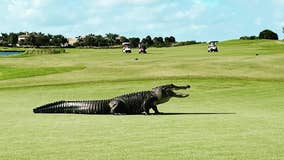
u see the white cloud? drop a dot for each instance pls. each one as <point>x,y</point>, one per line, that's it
<point>278,14</point>
<point>279,24</point>
<point>26,10</point>
<point>198,27</point>
<point>258,21</point>
<point>278,2</point>
<point>111,3</point>
<point>194,29</point>
<point>95,20</point>
<point>184,19</point>
<point>39,3</point>
<point>196,10</point>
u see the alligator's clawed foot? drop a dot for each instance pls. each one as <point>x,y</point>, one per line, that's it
<point>145,113</point>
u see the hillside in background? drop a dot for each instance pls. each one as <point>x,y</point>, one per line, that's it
<point>239,59</point>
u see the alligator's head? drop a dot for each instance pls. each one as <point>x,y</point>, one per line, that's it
<point>165,92</point>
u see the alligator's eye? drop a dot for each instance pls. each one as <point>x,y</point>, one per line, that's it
<point>168,91</point>
<point>165,92</point>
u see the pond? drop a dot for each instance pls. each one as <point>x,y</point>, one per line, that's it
<point>6,53</point>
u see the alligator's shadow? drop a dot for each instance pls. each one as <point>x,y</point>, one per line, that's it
<point>181,113</point>
<point>170,114</point>
<point>197,113</point>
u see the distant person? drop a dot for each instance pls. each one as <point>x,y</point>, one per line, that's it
<point>142,48</point>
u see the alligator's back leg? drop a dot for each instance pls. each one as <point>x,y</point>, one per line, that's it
<point>117,107</point>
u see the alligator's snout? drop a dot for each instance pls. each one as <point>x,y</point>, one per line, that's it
<point>179,95</point>
<point>181,87</point>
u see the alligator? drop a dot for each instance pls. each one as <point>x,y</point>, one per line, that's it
<point>132,103</point>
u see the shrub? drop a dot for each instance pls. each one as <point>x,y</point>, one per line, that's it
<point>268,34</point>
<point>186,43</point>
<point>248,37</point>
<point>45,51</point>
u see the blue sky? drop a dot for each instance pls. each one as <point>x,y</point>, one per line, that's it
<point>200,20</point>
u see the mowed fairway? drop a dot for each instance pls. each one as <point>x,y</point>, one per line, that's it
<point>235,111</point>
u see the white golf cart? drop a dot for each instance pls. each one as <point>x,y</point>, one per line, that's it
<point>126,47</point>
<point>212,46</point>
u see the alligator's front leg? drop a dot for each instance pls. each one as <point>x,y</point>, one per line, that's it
<point>155,108</point>
<point>148,104</point>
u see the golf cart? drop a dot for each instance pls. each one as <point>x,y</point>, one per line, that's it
<point>212,47</point>
<point>142,48</point>
<point>126,47</point>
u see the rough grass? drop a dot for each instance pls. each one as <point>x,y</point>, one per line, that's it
<point>235,110</point>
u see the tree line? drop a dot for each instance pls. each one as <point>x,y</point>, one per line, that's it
<point>265,34</point>
<point>38,39</point>
<point>35,39</point>
<point>111,39</point>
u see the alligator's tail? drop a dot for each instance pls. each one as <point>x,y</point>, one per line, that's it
<point>79,107</point>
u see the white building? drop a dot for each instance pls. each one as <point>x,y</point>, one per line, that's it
<point>71,41</point>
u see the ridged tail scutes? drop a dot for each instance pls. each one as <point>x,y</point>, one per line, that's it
<point>80,107</point>
<point>54,107</point>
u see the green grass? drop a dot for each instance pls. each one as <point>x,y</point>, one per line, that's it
<point>12,72</point>
<point>11,49</point>
<point>235,110</point>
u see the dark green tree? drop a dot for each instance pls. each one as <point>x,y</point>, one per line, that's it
<point>170,40</point>
<point>90,40</point>
<point>13,39</point>
<point>158,42</point>
<point>4,39</point>
<point>148,41</point>
<point>101,41</point>
<point>134,41</point>
<point>42,40</point>
<point>30,40</point>
<point>80,42</point>
<point>4,36</point>
<point>248,37</point>
<point>112,38</point>
<point>123,39</point>
<point>57,40</point>
<point>268,34</point>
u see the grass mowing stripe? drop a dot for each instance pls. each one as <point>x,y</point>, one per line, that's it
<point>11,72</point>
<point>220,78</point>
